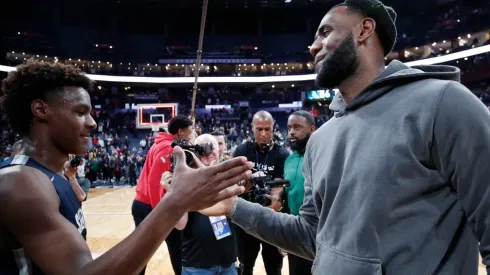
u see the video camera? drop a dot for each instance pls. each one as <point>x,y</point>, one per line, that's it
<point>189,150</point>
<point>263,186</point>
<point>75,161</point>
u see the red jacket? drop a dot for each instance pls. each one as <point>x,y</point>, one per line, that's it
<point>148,189</point>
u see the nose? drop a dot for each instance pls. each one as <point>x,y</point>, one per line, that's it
<point>316,47</point>
<point>91,124</point>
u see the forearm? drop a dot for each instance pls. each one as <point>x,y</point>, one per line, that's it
<point>133,253</point>
<point>277,229</point>
<point>77,189</point>
<point>182,222</point>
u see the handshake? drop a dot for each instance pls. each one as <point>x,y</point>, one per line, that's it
<point>200,187</point>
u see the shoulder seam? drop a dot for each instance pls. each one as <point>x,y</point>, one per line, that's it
<point>436,111</point>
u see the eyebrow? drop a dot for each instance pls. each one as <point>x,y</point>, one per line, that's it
<point>83,105</point>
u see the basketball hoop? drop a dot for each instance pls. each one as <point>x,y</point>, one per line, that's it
<point>155,126</point>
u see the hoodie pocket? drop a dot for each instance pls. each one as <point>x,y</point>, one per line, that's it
<point>331,261</point>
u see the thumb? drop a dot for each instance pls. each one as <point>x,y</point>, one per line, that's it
<point>213,162</point>
<point>179,158</point>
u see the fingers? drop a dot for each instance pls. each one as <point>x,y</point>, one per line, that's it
<point>222,184</point>
<point>197,162</point>
<point>166,178</point>
<point>232,172</point>
<point>179,158</point>
<point>227,165</point>
<point>230,192</point>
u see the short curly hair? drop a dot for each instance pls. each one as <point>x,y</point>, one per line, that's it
<point>35,80</point>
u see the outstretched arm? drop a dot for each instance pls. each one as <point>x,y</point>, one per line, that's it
<point>182,223</point>
<point>295,234</point>
<point>29,209</point>
<point>279,229</point>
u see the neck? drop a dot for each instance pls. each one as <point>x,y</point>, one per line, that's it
<point>300,151</point>
<point>44,152</point>
<point>355,84</point>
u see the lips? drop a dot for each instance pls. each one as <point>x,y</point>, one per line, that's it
<point>319,58</point>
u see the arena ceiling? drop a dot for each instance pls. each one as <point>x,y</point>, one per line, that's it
<point>261,4</point>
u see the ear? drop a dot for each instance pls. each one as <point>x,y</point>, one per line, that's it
<point>40,109</point>
<point>367,28</point>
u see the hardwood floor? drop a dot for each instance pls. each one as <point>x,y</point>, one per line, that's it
<point>108,220</point>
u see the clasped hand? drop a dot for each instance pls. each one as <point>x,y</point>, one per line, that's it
<point>201,187</point>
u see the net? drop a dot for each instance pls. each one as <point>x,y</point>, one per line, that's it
<point>155,127</point>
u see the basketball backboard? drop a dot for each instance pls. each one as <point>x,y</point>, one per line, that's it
<point>147,114</point>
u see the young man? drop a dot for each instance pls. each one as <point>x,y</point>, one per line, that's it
<point>223,145</point>
<point>208,244</point>
<point>397,182</point>
<point>301,125</point>
<point>42,229</point>
<point>268,158</point>
<point>148,190</point>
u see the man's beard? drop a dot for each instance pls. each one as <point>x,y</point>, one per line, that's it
<point>299,144</point>
<point>340,65</point>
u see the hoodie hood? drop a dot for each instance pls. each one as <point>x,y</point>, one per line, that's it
<point>396,74</point>
<point>163,137</point>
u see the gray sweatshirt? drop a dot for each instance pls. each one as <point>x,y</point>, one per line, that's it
<point>397,182</point>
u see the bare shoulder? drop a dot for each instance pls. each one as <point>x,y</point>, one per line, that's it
<point>25,186</point>
<point>29,209</point>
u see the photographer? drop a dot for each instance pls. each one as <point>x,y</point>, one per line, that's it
<point>208,246</point>
<point>148,189</point>
<point>70,170</point>
<point>81,166</point>
<point>268,158</point>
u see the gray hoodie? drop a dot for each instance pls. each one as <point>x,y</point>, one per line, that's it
<point>397,182</point>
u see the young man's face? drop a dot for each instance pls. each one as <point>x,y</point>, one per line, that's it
<point>69,120</point>
<point>221,145</point>
<point>187,134</point>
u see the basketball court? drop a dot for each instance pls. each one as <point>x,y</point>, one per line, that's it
<point>108,220</point>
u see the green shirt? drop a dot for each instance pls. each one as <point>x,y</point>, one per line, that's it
<point>293,173</point>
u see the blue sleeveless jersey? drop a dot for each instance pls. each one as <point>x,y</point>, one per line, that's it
<point>16,260</point>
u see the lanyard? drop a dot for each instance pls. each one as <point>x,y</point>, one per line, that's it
<point>260,165</point>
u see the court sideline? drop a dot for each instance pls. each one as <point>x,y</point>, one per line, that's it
<point>108,220</point>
